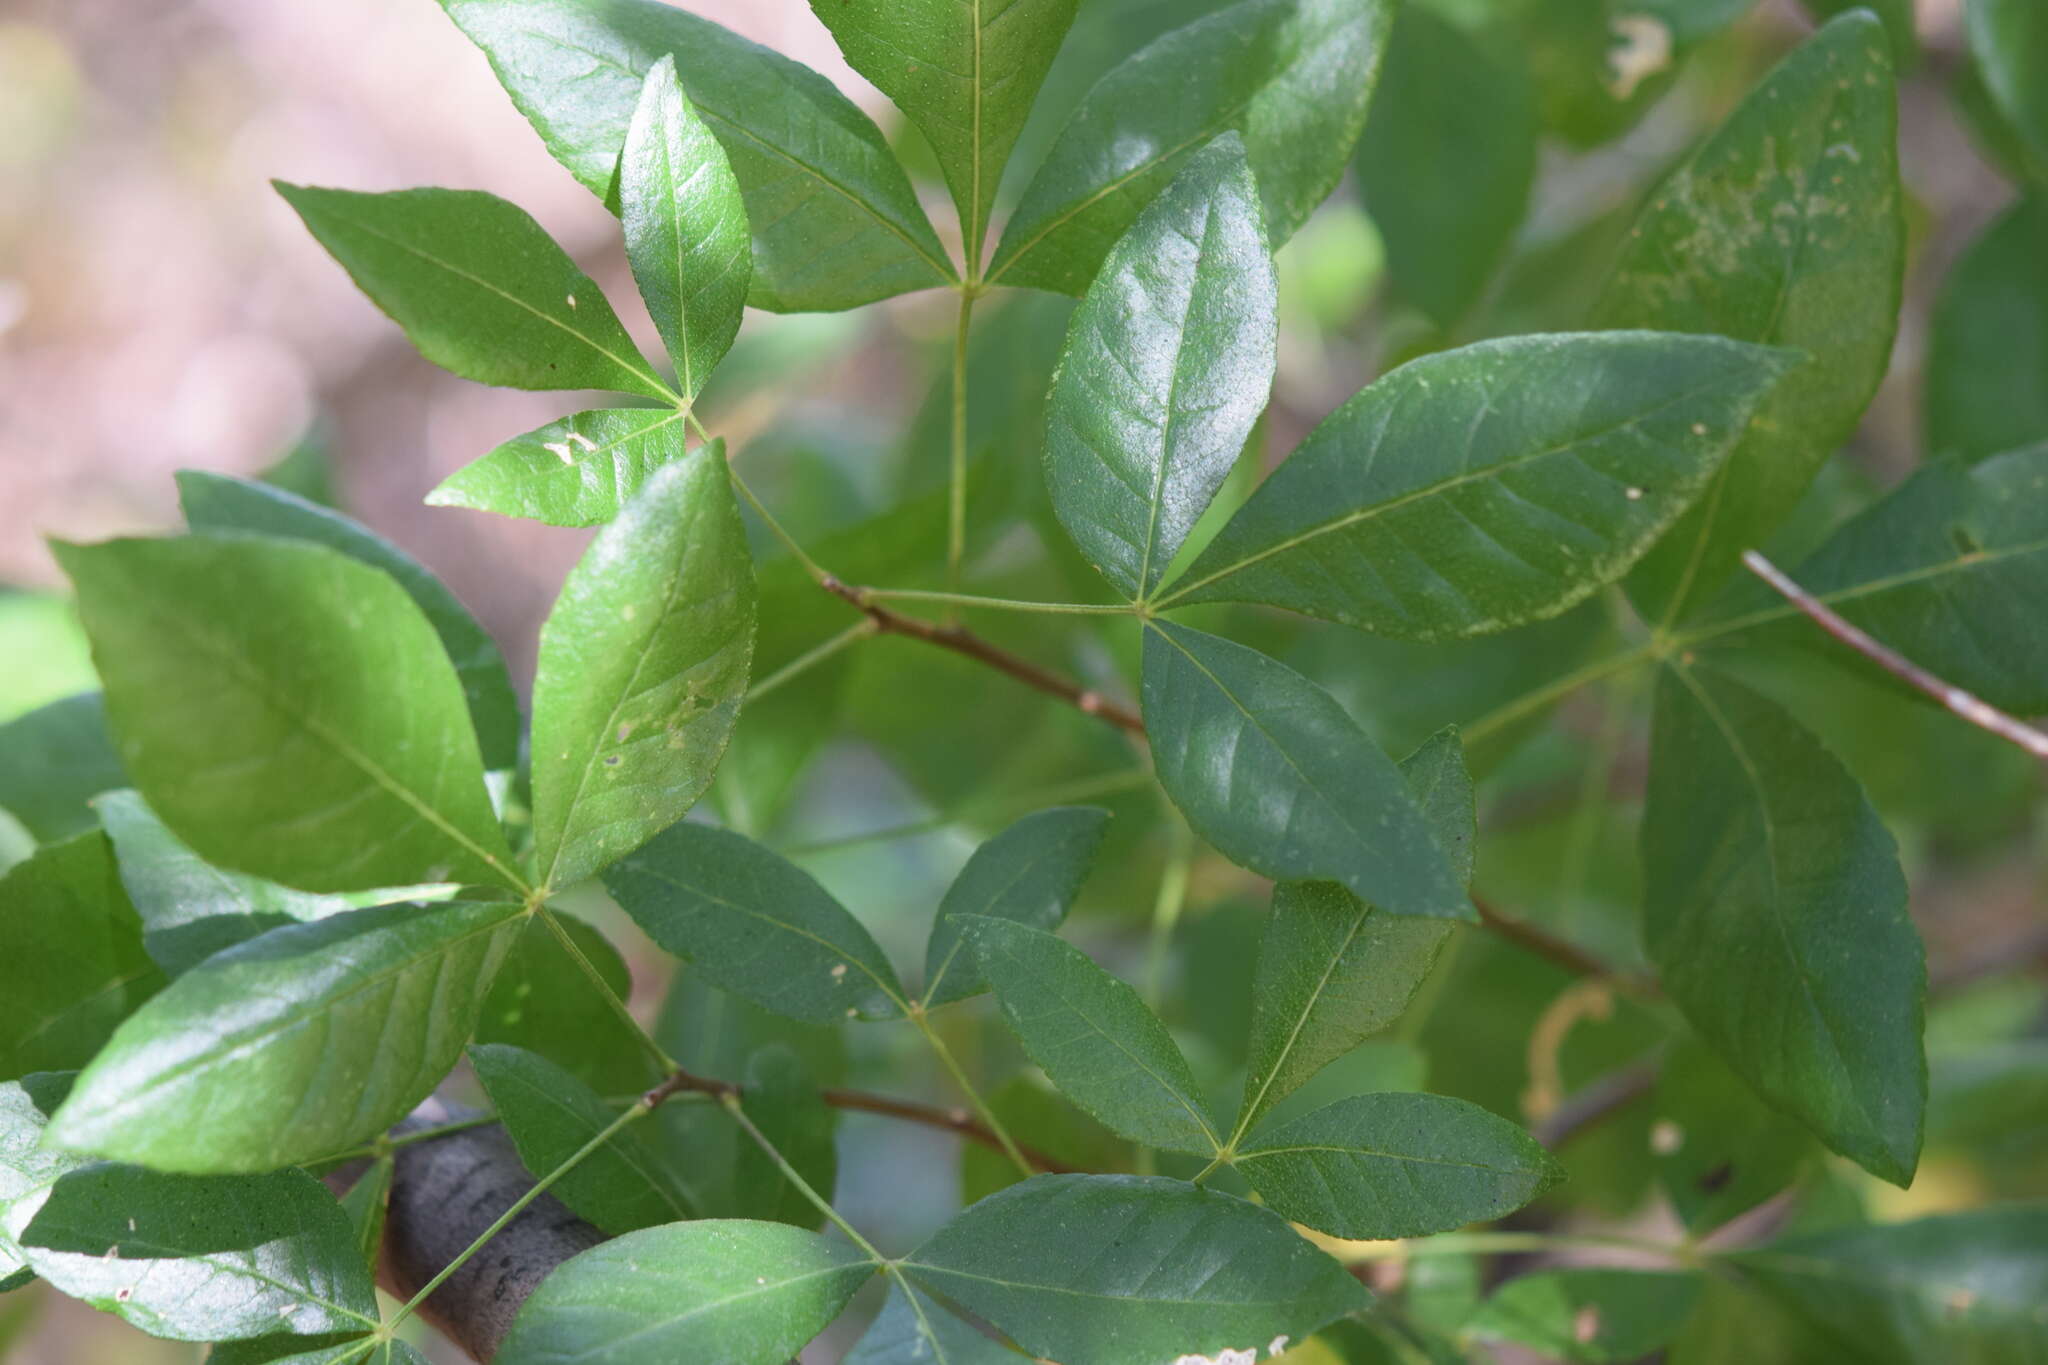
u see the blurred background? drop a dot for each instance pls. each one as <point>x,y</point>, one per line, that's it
<point>161,308</point>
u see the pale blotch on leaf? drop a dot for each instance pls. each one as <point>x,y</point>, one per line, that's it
<point>1641,48</point>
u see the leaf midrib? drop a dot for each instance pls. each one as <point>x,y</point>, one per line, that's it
<point>257,682</point>
<point>1255,1107</point>
<point>945,271</point>
<point>655,874</point>
<point>1777,918</point>
<point>658,389</point>
<point>1441,486</point>
<point>245,1044</point>
<point>1180,1097</point>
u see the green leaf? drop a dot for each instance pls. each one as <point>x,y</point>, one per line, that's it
<point>72,964</point>
<point>1898,17</point>
<point>53,761</point>
<point>1396,1165</point>
<point>756,924</point>
<point>27,1168</point>
<point>1447,159</point>
<point>1132,1270</point>
<point>1490,486</point>
<point>686,228</point>
<point>783,1101</point>
<point>550,1115</point>
<point>579,471</point>
<point>1988,346</point>
<point>542,1001</point>
<point>1166,368</point>
<point>189,908</point>
<point>288,711</point>
<point>220,503</point>
<point>1775,912</point>
<point>1785,229</point>
<point>1331,972</point>
<point>643,664</point>
<point>2009,39</point>
<point>835,221</point>
<point>1291,76</point>
<point>911,1329</point>
<point>741,1293</point>
<point>1092,1035</point>
<point>1718,1150</point>
<point>965,73</point>
<point>480,287</point>
<point>366,1204</point>
<point>1272,772</point>
<point>198,1258</point>
<point>1030,873</point>
<point>1589,1315</point>
<point>1950,568</point>
<point>292,1046</point>
<point>1958,1287</point>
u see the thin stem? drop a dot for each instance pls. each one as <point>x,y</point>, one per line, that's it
<point>1502,716</point>
<point>1558,951</point>
<point>973,1096</point>
<point>790,1173</point>
<point>803,663</point>
<point>653,1049</point>
<point>394,1141</point>
<point>956,485</point>
<point>767,517</point>
<point>540,1187</point>
<point>965,642</point>
<point>1484,1243</point>
<point>683,1085</point>
<point>1595,1103</point>
<point>961,599</point>
<point>1168,904</point>
<point>1970,707</point>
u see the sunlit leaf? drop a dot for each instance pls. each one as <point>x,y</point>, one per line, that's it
<point>835,221</point>
<point>288,711</point>
<point>479,286</point>
<point>1489,486</point>
<point>686,228</point>
<point>1166,367</point>
<point>292,1046</point>
<point>1291,76</point>
<point>643,663</point>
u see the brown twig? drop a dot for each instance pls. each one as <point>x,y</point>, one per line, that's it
<point>965,642</point>
<point>1608,1095</point>
<point>1971,708</point>
<point>2027,952</point>
<point>1557,951</point>
<point>932,1116</point>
